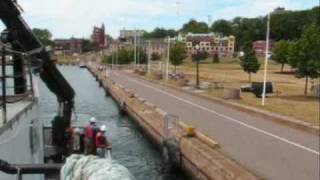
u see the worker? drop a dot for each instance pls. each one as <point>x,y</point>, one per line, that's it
<point>102,142</point>
<point>76,140</point>
<point>89,134</point>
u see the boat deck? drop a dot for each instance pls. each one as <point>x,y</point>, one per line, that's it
<point>14,109</point>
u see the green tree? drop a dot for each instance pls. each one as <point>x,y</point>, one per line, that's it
<point>305,54</point>
<point>249,62</point>
<point>155,56</point>
<point>160,33</point>
<point>194,26</point>
<point>88,46</point>
<point>222,26</point>
<point>142,57</point>
<point>197,57</point>
<point>292,58</point>
<point>124,56</point>
<point>107,59</point>
<point>281,53</point>
<point>177,55</point>
<point>216,58</point>
<point>44,35</point>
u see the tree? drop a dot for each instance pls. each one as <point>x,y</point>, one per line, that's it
<point>125,56</point>
<point>305,54</point>
<point>177,55</point>
<point>160,33</point>
<point>142,57</point>
<point>107,59</point>
<point>216,58</point>
<point>155,56</point>
<point>197,57</point>
<point>194,26</point>
<point>249,62</point>
<point>88,46</point>
<point>281,53</point>
<point>44,35</point>
<point>222,26</point>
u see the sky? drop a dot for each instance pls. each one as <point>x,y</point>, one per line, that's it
<point>66,18</point>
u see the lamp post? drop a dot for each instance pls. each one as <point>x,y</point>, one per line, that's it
<point>266,63</point>
<point>168,60</point>
<point>149,57</point>
<point>197,62</point>
<point>112,57</point>
<point>135,48</point>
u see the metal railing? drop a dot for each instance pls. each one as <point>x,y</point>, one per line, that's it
<point>9,94</point>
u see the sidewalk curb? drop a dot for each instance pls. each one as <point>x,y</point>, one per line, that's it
<point>275,117</point>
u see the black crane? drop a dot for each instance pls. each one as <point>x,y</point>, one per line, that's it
<point>20,38</point>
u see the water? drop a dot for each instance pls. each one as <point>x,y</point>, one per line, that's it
<point>130,148</point>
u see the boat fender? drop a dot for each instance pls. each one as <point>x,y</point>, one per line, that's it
<point>107,91</point>
<point>123,107</point>
<point>171,155</point>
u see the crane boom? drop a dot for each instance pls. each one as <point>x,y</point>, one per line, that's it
<point>20,37</point>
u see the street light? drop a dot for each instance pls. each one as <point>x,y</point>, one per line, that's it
<point>266,62</point>
<point>197,80</point>
<point>168,59</point>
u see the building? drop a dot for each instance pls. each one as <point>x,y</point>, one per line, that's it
<point>98,37</point>
<point>157,45</point>
<point>68,46</point>
<point>260,47</point>
<point>279,10</point>
<point>212,43</point>
<point>129,35</point>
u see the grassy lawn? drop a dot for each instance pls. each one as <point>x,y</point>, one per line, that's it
<point>66,59</point>
<point>288,98</point>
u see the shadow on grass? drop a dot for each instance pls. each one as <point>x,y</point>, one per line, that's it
<point>300,98</point>
<point>286,73</point>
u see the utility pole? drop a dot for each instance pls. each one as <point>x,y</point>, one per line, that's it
<point>266,63</point>
<point>117,55</point>
<point>112,55</point>
<point>209,20</point>
<point>168,59</point>
<point>149,57</point>
<point>135,48</point>
<point>138,50</point>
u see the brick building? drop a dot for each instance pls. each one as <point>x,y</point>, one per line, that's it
<point>98,37</point>
<point>68,46</point>
<point>128,35</point>
<point>260,47</point>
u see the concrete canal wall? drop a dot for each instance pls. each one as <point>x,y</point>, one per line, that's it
<point>200,156</point>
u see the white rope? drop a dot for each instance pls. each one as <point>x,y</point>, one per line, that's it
<point>79,167</point>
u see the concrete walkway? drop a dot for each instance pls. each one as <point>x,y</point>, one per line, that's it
<point>270,150</point>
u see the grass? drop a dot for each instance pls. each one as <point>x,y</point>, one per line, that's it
<point>288,99</point>
<point>66,59</point>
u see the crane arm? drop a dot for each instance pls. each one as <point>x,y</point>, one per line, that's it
<point>20,37</point>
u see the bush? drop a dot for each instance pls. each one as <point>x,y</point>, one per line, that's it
<point>216,58</point>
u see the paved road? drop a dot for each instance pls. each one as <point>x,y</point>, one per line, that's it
<point>270,150</point>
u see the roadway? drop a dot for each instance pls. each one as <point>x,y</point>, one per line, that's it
<point>268,149</point>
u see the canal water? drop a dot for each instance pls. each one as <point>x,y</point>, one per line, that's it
<point>130,148</point>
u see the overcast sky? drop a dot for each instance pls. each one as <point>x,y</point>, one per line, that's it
<point>65,18</point>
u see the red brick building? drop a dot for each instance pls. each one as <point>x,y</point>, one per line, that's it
<point>98,37</point>
<point>68,46</point>
<point>260,47</point>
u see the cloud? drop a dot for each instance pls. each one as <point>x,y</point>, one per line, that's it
<point>65,18</point>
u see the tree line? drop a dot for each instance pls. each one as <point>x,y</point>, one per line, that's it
<point>287,25</point>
